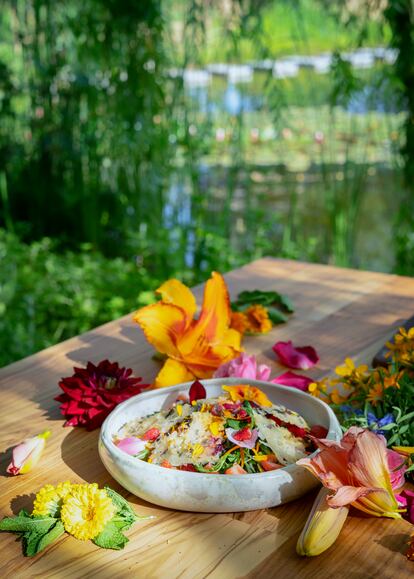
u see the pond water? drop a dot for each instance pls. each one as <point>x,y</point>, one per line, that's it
<point>317,182</point>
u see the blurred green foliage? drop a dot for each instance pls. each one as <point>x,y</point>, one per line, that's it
<point>115,174</point>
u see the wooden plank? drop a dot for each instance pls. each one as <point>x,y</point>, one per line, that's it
<point>339,311</point>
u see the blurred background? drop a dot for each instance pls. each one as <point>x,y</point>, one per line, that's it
<point>146,139</point>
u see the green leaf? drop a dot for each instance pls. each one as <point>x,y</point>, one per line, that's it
<point>111,537</point>
<point>265,298</point>
<point>22,524</point>
<point>276,316</point>
<point>236,424</point>
<point>55,532</point>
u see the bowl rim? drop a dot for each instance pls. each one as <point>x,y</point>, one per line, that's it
<point>106,439</point>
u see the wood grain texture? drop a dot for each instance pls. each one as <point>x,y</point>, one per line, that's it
<point>341,312</point>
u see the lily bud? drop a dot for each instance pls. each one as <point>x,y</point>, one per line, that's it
<point>27,454</point>
<point>322,527</point>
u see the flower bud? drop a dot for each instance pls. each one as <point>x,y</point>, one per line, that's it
<point>322,527</point>
<point>27,454</point>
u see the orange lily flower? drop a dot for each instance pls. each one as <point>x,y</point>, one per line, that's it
<point>249,393</point>
<point>195,347</point>
<point>357,472</point>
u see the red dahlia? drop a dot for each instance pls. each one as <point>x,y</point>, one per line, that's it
<point>93,392</point>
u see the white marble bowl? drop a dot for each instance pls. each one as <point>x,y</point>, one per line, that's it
<point>212,493</point>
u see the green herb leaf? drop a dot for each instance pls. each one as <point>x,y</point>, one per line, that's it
<point>276,316</point>
<point>23,523</point>
<point>111,537</point>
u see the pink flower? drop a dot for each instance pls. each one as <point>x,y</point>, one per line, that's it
<point>131,445</point>
<point>245,437</point>
<point>406,500</point>
<point>243,366</point>
<point>27,454</point>
<point>397,468</point>
<point>293,380</point>
<point>303,358</point>
<point>356,470</point>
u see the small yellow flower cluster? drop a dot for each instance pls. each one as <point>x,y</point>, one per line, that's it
<point>370,384</point>
<point>253,320</point>
<point>401,349</point>
<point>83,508</point>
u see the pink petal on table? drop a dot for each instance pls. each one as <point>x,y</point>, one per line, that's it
<point>131,445</point>
<point>296,357</point>
<point>293,380</point>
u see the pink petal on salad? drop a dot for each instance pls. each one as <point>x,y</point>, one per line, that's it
<point>243,441</point>
<point>131,445</point>
<point>302,358</point>
<point>293,380</point>
<point>197,391</point>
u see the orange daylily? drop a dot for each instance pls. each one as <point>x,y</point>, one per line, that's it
<point>195,347</point>
<point>250,393</point>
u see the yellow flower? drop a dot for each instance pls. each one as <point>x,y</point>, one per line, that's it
<point>258,319</point>
<point>48,501</point>
<point>402,347</point>
<point>249,393</point>
<point>86,510</point>
<point>387,377</point>
<point>194,346</point>
<point>375,394</point>
<point>351,372</point>
<point>336,398</point>
<point>318,388</point>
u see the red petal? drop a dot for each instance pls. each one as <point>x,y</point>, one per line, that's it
<point>293,380</point>
<point>197,391</point>
<point>296,357</point>
<point>151,434</point>
<point>318,431</point>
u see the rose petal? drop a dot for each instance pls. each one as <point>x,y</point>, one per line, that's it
<point>131,445</point>
<point>197,391</point>
<point>293,380</point>
<point>243,366</point>
<point>304,357</point>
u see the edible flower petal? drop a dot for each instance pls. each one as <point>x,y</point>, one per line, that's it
<point>244,366</point>
<point>250,393</point>
<point>27,454</point>
<point>195,348</point>
<point>131,445</point>
<point>322,527</point>
<point>356,469</point>
<point>197,391</point>
<point>293,380</point>
<point>91,393</point>
<point>303,358</point>
<point>244,438</point>
<point>406,499</point>
<point>86,510</point>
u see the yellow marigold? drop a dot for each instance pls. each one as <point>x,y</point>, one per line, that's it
<point>48,501</point>
<point>86,511</point>
<point>239,322</point>
<point>258,319</point>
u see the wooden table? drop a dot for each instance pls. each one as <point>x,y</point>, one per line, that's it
<point>339,311</point>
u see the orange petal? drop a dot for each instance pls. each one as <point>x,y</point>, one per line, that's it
<point>347,495</point>
<point>176,293</point>
<point>173,372</point>
<point>214,317</point>
<point>162,325</point>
